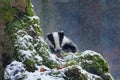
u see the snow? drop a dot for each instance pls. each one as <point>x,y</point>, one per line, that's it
<point>24,42</point>
<point>90,76</point>
<point>26,53</point>
<point>25,36</point>
<point>39,40</point>
<point>31,28</point>
<point>36,25</point>
<point>70,56</point>
<point>33,17</point>
<point>89,52</point>
<point>53,56</point>
<point>23,39</point>
<point>41,75</point>
<point>39,59</point>
<point>88,61</point>
<point>14,70</point>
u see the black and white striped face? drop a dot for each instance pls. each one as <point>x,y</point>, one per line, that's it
<point>56,39</point>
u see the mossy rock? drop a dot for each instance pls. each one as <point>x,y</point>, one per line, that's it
<point>94,63</point>
<point>27,48</point>
<point>77,73</point>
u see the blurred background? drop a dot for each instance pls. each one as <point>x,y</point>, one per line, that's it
<point>91,24</point>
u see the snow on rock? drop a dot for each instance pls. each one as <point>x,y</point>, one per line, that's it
<point>90,52</point>
<point>31,28</point>
<point>41,75</point>
<point>77,72</point>
<point>94,63</point>
<point>14,71</point>
<point>70,66</point>
<point>24,43</point>
<point>39,58</point>
<point>33,17</point>
<point>34,61</point>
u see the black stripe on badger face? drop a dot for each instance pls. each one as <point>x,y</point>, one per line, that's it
<point>61,35</point>
<point>69,47</point>
<point>50,37</point>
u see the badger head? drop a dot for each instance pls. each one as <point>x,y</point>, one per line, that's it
<point>56,39</point>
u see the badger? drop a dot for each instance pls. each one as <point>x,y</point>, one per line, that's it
<point>59,42</point>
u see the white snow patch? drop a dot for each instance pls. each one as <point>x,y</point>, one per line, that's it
<point>26,53</point>
<point>14,70</point>
<point>58,60</point>
<point>39,40</point>
<point>31,28</point>
<point>70,55</point>
<point>34,17</point>
<point>24,42</point>
<point>41,75</point>
<point>88,61</point>
<point>89,52</point>
<point>36,25</point>
<point>39,58</point>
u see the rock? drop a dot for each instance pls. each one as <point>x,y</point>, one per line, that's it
<point>31,53</point>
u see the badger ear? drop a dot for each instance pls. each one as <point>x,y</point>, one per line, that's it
<point>48,35</point>
<point>62,33</point>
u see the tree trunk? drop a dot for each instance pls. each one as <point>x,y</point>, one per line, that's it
<point>5,46</point>
<point>9,11</point>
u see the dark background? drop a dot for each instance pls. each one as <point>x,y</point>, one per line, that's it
<point>91,24</point>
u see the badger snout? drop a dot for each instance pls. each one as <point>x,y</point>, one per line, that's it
<point>58,51</point>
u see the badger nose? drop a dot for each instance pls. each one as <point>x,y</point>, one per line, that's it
<point>58,51</point>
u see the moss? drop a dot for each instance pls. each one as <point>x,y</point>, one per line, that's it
<point>21,22</point>
<point>9,15</point>
<point>42,50</point>
<point>29,8</point>
<point>30,65</point>
<point>6,12</point>
<point>94,63</point>
<point>71,62</point>
<point>75,74</point>
<point>107,76</point>
<point>49,62</point>
<point>54,73</point>
<point>39,79</point>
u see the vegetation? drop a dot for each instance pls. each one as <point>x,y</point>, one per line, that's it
<point>31,56</point>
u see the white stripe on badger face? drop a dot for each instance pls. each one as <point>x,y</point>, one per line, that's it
<point>56,39</point>
<point>65,40</point>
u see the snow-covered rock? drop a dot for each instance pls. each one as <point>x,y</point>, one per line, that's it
<point>33,60</point>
